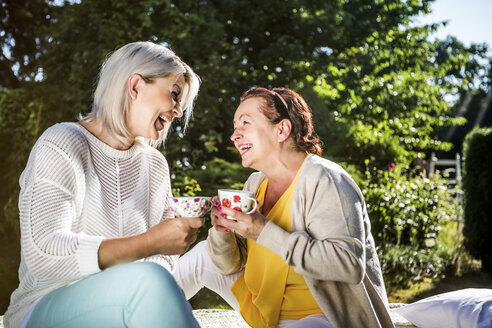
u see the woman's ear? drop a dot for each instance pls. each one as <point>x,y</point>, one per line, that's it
<point>134,83</point>
<point>284,128</point>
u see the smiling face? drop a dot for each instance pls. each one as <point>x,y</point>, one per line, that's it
<point>153,105</point>
<point>254,135</point>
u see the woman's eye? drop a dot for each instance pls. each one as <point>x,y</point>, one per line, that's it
<point>175,99</point>
<point>242,123</point>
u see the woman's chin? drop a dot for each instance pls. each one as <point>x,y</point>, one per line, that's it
<point>154,134</point>
<point>245,162</point>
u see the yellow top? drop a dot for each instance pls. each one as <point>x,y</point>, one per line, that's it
<point>269,290</point>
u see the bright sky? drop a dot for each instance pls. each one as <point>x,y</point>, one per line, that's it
<point>468,20</point>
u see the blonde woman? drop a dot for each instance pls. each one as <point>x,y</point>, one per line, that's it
<point>97,247</point>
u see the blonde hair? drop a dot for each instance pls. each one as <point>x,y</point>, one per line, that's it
<point>111,97</point>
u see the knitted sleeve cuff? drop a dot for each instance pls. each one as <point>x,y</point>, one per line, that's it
<point>87,254</point>
<point>169,262</point>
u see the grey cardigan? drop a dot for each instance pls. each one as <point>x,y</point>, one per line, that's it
<point>330,245</point>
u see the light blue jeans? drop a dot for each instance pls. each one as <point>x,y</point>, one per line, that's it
<point>139,294</point>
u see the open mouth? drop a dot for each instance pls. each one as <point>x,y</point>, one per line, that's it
<point>244,148</point>
<point>161,122</point>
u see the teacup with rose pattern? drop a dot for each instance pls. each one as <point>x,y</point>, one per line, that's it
<point>239,200</point>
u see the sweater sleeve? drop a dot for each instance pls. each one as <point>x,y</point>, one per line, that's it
<point>160,203</point>
<point>51,246</point>
<point>330,245</point>
<point>229,251</point>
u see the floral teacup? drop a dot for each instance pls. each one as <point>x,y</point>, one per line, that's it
<point>190,206</point>
<point>238,200</point>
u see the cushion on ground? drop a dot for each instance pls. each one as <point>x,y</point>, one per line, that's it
<point>471,308</point>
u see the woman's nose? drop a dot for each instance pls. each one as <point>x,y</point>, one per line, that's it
<point>177,112</point>
<point>235,136</point>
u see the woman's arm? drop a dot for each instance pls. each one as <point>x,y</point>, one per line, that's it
<point>227,250</point>
<point>169,237</point>
<point>330,242</point>
<point>337,258</point>
<point>48,215</point>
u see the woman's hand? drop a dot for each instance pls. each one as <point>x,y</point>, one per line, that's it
<point>169,237</point>
<point>215,215</point>
<point>173,236</point>
<point>246,225</point>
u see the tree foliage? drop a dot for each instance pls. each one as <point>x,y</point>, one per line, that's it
<point>19,128</point>
<point>21,26</point>
<point>372,77</point>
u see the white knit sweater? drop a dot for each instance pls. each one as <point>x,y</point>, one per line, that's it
<point>75,192</point>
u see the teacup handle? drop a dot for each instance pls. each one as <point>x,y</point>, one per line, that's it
<point>209,204</point>
<point>255,207</point>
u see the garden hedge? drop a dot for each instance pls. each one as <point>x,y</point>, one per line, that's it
<point>477,188</point>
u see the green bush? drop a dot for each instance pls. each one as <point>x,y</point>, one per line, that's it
<point>404,265</point>
<point>407,210</point>
<point>407,215</point>
<point>477,187</point>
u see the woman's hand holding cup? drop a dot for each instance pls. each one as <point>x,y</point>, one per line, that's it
<point>248,225</point>
<point>172,236</point>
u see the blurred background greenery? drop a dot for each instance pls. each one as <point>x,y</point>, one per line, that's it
<point>382,90</point>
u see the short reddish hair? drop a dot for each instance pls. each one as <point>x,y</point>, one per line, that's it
<point>279,104</point>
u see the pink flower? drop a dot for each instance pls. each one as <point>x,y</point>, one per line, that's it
<point>391,165</point>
